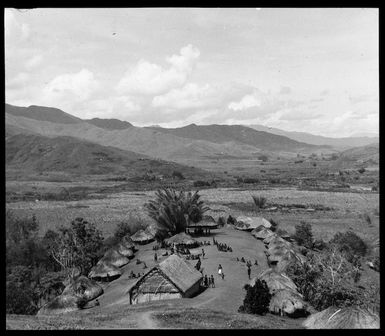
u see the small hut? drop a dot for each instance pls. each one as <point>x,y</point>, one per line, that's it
<point>275,281</point>
<point>128,242</point>
<point>343,318</point>
<point>284,234</point>
<point>270,238</point>
<point>288,302</point>
<point>264,233</point>
<point>250,223</point>
<point>104,272</point>
<point>181,239</point>
<point>203,226</point>
<point>61,304</point>
<point>173,278</point>
<point>85,287</point>
<point>142,237</point>
<point>113,257</point>
<point>124,251</point>
<point>289,258</point>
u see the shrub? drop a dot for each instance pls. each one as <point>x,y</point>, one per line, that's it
<point>350,244</point>
<point>259,201</point>
<point>230,220</point>
<point>221,221</point>
<point>200,183</point>
<point>303,235</point>
<point>251,180</point>
<point>274,180</point>
<point>319,244</point>
<point>263,158</point>
<point>177,174</point>
<point>169,208</point>
<point>361,170</point>
<point>257,299</point>
<point>274,226</point>
<point>129,227</point>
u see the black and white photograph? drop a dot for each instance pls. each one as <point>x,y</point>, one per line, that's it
<point>192,168</point>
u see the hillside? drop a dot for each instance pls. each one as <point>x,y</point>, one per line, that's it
<point>236,133</point>
<point>35,153</point>
<point>340,143</point>
<point>109,124</point>
<point>42,113</point>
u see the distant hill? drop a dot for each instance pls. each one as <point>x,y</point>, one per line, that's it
<point>238,134</point>
<point>35,153</point>
<point>109,124</point>
<point>338,143</point>
<point>42,113</point>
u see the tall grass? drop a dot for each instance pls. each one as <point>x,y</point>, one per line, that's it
<point>259,201</point>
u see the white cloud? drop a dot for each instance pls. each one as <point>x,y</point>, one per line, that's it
<point>150,79</point>
<point>20,80</point>
<point>246,102</point>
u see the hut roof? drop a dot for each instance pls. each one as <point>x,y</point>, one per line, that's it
<point>124,251</point>
<point>204,223</point>
<point>61,304</point>
<point>181,238</point>
<point>113,257</point>
<point>178,271</point>
<point>264,233</point>
<point>142,236</point>
<point>284,234</point>
<point>269,238</point>
<point>344,318</point>
<point>279,240</point>
<point>85,287</point>
<point>287,301</point>
<point>252,223</point>
<point>101,269</point>
<point>275,281</point>
<point>127,242</point>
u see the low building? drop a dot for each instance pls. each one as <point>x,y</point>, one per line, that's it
<point>173,278</point>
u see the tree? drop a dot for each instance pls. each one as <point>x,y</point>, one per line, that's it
<point>169,208</point>
<point>350,244</point>
<point>257,298</point>
<point>303,235</point>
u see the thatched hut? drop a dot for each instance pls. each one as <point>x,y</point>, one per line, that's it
<point>288,302</point>
<point>113,257</point>
<point>275,281</point>
<point>124,251</point>
<point>289,258</point>
<point>182,239</point>
<point>270,238</point>
<point>128,242</point>
<point>279,240</point>
<point>84,287</point>
<point>203,226</point>
<point>142,237</point>
<point>62,304</point>
<point>250,223</point>
<point>264,233</point>
<point>343,318</point>
<point>284,234</point>
<point>173,278</point>
<point>104,272</point>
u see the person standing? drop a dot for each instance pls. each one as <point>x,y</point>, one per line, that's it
<point>248,270</point>
<point>206,281</point>
<point>203,253</point>
<point>156,257</point>
<point>212,281</point>
<point>220,271</point>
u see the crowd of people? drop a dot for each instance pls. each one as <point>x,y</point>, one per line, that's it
<point>208,281</point>
<point>222,246</point>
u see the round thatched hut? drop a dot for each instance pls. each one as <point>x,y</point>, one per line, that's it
<point>343,318</point>
<point>182,239</point>
<point>128,242</point>
<point>262,234</point>
<point>124,251</point>
<point>270,238</point>
<point>142,237</point>
<point>275,281</point>
<point>84,287</point>
<point>62,304</point>
<point>251,223</point>
<point>288,302</point>
<point>113,257</point>
<point>287,259</point>
<point>104,272</point>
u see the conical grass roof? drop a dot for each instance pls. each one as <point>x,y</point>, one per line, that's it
<point>251,223</point>
<point>61,304</point>
<point>343,318</point>
<point>101,269</point>
<point>287,259</point>
<point>275,281</point>
<point>270,238</point>
<point>113,257</point>
<point>287,301</point>
<point>128,242</point>
<point>85,287</point>
<point>262,234</point>
<point>124,251</point>
<point>181,239</point>
<point>142,237</point>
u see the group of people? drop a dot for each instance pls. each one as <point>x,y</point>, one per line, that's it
<point>204,243</point>
<point>248,265</point>
<point>222,246</point>
<point>133,275</point>
<point>192,257</point>
<point>208,281</point>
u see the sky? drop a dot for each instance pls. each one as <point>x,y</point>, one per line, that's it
<point>310,70</point>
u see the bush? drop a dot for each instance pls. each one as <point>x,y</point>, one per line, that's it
<point>221,221</point>
<point>319,244</point>
<point>303,235</point>
<point>177,174</point>
<point>169,208</point>
<point>257,299</point>
<point>274,180</point>
<point>200,183</point>
<point>130,227</point>
<point>349,244</point>
<point>250,180</point>
<point>230,220</point>
<point>259,201</point>
<point>274,226</point>
<point>263,158</point>
<point>361,170</point>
